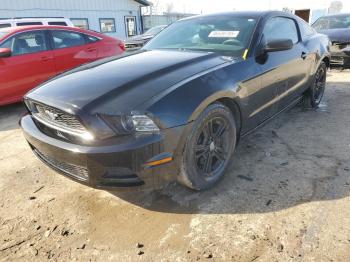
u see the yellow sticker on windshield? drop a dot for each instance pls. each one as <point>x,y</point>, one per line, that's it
<point>244,56</point>
<point>224,34</point>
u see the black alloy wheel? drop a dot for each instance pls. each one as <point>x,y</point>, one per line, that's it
<point>313,96</point>
<point>320,84</point>
<point>209,147</point>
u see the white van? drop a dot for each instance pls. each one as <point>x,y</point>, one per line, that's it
<point>19,21</point>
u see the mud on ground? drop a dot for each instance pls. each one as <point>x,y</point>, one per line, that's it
<point>285,197</point>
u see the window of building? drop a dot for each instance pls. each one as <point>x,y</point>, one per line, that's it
<point>57,23</point>
<point>82,23</point>
<point>26,43</point>
<point>64,39</point>
<point>281,28</point>
<point>107,25</point>
<point>130,23</point>
<point>29,23</point>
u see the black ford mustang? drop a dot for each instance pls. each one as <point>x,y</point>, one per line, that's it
<point>176,109</point>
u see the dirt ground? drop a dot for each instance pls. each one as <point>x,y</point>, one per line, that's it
<point>285,197</point>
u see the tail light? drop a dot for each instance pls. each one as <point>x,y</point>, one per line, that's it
<point>122,46</point>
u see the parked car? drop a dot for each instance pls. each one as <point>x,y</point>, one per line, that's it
<point>337,28</point>
<point>25,21</point>
<point>136,42</point>
<point>176,109</point>
<point>31,55</point>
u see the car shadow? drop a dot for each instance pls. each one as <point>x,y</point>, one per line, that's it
<point>279,166</point>
<point>10,115</point>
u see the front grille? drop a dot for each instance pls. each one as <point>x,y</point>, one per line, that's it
<point>78,172</point>
<point>338,46</point>
<point>58,118</point>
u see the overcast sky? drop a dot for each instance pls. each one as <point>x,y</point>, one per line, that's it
<point>209,6</point>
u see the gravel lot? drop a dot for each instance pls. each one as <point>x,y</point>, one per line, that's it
<point>285,197</point>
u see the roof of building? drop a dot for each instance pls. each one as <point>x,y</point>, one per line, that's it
<point>143,2</point>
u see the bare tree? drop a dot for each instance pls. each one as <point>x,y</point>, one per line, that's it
<point>169,7</point>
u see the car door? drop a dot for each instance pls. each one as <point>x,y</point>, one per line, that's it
<point>287,70</point>
<point>30,64</point>
<point>71,49</point>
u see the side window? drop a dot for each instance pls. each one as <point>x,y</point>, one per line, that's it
<point>57,23</point>
<point>26,43</point>
<point>5,25</point>
<point>64,39</point>
<point>28,23</point>
<point>281,28</point>
<point>7,43</point>
<point>305,29</point>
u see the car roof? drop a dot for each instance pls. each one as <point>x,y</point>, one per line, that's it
<point>15,29</point>
<point>254,14</point>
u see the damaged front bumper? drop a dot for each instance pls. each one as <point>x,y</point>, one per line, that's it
<point>340,54</point>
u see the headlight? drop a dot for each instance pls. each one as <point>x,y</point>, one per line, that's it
<point>128,124</point>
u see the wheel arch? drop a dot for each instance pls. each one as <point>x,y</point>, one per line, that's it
<point>327,61</point>
<point>227,98</point>
<point>235,110</point>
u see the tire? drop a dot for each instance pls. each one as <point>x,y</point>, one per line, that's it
<point>208,148</point>
<point>313,96</point>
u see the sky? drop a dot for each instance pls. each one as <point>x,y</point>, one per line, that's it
<point>209,6</point>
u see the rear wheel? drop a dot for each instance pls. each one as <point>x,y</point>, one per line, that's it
<point>209,148</point>
<point>314,94</point>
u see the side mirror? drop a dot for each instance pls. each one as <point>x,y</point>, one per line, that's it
<point>278,45</point>
<point>5,52</point>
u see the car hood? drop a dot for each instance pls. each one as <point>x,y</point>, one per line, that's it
<point>119,85</point>
<point>337,35</point>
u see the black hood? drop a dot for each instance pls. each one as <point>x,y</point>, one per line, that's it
<point>122,83</point>
<point>341,35</point>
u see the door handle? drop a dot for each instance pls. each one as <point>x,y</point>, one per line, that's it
<point>46,58</point>
<point>303,55</point>
<point>91,49</point>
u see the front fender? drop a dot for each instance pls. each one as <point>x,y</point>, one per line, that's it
<point>184,103</point>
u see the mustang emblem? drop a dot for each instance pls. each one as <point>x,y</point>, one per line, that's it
<point>51,115</point>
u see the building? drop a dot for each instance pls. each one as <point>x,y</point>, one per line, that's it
<point>309,15</point>
<point>118,18</point>
<point>164,19</point>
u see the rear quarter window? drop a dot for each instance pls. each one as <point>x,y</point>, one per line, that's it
<point>64,39</point>
<point>91,39</point>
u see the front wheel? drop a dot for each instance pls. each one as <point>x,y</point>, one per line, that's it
<point>313,96</point>
<point>209,148</point>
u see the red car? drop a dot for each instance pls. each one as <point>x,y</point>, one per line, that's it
<point>32,54</point>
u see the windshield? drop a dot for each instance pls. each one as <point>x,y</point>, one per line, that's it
<point>332,22</point>
<point>225,35</point>
<point>154,30</point>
